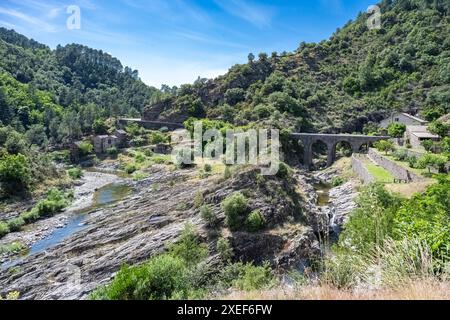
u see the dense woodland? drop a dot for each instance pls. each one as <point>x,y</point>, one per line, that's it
<point>343,84</point>
<point>63,91</point>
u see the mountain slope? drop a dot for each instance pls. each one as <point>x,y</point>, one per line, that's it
<point>339,85</point>
<point>37,82</point>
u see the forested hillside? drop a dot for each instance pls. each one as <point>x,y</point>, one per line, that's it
<point>339,85</point>
<point>52,88</point>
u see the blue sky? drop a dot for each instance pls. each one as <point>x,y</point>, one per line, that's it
<point>175,41</point>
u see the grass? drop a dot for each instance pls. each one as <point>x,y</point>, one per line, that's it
<point>427,289</point>
<point>379,173</point>
<point>12,248</point>
<point>402,164</point>
<point>408,190</point>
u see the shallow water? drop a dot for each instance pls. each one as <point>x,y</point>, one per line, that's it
<point>102,197</point>
<point>323,193</point>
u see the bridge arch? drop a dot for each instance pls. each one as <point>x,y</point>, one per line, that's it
<point>331,140</point>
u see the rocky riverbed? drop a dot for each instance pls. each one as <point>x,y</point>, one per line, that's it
<point>83,194</point>
<point>142,224</point>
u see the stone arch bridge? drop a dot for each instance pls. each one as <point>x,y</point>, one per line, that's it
<point>331,140</point>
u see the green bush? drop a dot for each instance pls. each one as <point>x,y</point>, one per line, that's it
<point>139,176</point>
<point>75,173</point>
<point>100,127</point>
<point>284,171</point>
<point>15,224</point>
<point>396,130</point>
<point>4,229</point>
<point>86,148</point>
<point>208,168</point>
<point>227,173</point>
<point>400,154</point>
<point>235,207</point>
<point>412,161</point>
<point>372,221</point>
<point>255,221</point>
<point>337,181</point>
<point>158,137</point>
<point>112,152</point>
<point>384,146</point>
<point>130,168</point>
<point>253,277</point>
<point>158,279</point>
<point>198,199</point>
<point>189,248</point>
<point>15,173</point>
<point>55,202</point>
<point>208,215</point>
<point>224,249</point>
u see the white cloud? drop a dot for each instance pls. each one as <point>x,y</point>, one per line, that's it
<point>32,22</point>
<point>258,15</point>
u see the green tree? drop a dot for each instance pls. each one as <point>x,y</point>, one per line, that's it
<point>15,143</point>
<point>36,135</point>
<point>431,161</point>
<point>235,207</point>
<point>396,130</point>
<point>15,173</point>
<point>385,146</point>
<point>439,128</point>
<point>100,127</point>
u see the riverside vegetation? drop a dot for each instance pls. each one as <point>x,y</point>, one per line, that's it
<point>244,235</point>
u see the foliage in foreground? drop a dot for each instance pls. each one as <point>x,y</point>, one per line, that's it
<point>179,274</point>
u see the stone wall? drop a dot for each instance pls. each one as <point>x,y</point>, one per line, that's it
<point>396,170</point>
<point>360,169</point>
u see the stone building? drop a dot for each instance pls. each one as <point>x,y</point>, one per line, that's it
<point>103,142</point>
<point>415,135</point>
<point>404,118</point>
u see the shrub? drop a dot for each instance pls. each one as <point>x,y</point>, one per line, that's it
<point>158,137</point>
<point>139,175</point>
<point>400,154</point>
<point>183,157</point>
<point>427,145</point>
<point>253,277</point>
<point>130,168</point>
<point>337,181</point>
<point>235,206</point>
<point>4,229</point>
<point>224,249</point>
<point>412,161</point>
<point>158,279</point>
<point>255,221</point>
<point>208,215</point>
<point>396,130</point>
<point>12,248</point>
<point>432,161</point>
<point>198,199</point>
<point>75,173</point>
<point>208,168</point>
<point>15,224</point>
<point>15,173</point>
<point>227,173</point>
<point>86,148</point>
<point>100,127</point>
<point>188,247</point>
<point>112,152</point>
<point>284,171</point>
<point>372,221</point>
<point>55,202</point>
<point>385,146</point>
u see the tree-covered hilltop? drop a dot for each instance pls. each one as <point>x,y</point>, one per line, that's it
<point>40,86</point>
<point>341,84</point>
